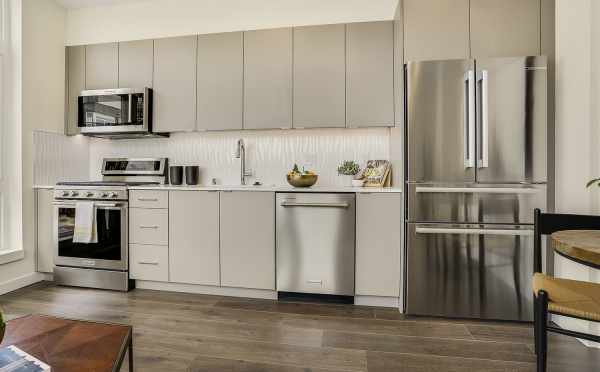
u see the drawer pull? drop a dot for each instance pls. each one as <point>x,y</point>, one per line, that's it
<point>315,281</point>
<point>148,199</point>
<point>154,263</point>
<point>148,227</point>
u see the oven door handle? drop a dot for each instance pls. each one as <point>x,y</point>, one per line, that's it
<point>101,205</point>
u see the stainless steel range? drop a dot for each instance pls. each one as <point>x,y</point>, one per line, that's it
<point>103,263</point>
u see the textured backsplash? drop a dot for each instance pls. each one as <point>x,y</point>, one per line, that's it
<point>58,157</point>
<point>269,154</point>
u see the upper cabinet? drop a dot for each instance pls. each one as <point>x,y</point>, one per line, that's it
<point>436,29</point>
<point>102,66</point>
<point>399,66</point>
<point>268,79</point>
<point>319,76</point>
<point>136,59</point>
<point>220,81</point>
<point>174,89</point>
<point>370,74</point>
<point>75,64</point>
<point>505,28</point>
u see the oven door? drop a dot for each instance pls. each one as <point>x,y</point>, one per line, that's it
<point>114,111</point>
<point>110,252</point>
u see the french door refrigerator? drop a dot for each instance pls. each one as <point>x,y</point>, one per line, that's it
<point>476,169</point>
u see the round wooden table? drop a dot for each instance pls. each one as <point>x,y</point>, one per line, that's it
<point>581,246</point>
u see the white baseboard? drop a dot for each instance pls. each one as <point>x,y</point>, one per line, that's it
<point>377,301</point>
<point>22,281</point>
<point>207,289</point>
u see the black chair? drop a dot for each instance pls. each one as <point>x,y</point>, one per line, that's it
<point>548,290</point>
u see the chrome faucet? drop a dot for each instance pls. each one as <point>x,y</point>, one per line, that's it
<point>240,153</point>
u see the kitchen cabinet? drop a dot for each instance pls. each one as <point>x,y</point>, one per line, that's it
<point>149,226</point>
<point>194,237</point>
<point>75,64</point>
<point>505,28</point>
<point>247,227</point>
<point>174,88</point>
<point>370,74</point>
<point>220,81</point>
<point>102,66</point>
<point>436,29</point>
<point>149,262</point>
<point>136,61</point>
<point>319,76</point>
<point>399,66</point>
<point>151,199</point>
<point>45,230</point>
<point>378,244</point>
<point>268,79</point>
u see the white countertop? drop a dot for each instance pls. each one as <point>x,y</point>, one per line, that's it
<point>271,188</point>
<point>264,188</point>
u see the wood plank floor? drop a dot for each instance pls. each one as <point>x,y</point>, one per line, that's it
<point>186,332</point>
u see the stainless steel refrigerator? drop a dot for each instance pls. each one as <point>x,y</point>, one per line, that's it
<point>476,143</point>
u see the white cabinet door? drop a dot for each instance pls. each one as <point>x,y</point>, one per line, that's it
<point>505,28</point>
<point>174,88</point>
<point>45,230</point>
<point>102,66</point>
<point>378,244</point>
<point>220,81</point>
<point>248,239</point>
<point>370,74</point>
<point>436,29</point>
<point>75,57</point>
<point>319,76</point>
<point>194,237</point>
<point>136,62</point>
<point>268,79</point>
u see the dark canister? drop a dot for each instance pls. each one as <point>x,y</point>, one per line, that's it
<point>176,175</point>
<point>192,174</point>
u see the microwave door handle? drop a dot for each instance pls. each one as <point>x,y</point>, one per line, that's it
<point>129,108</point>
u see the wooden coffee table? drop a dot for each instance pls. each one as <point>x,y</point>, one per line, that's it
<point>71,345</point>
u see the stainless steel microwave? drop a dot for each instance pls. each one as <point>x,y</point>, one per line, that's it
<point>111,113</point>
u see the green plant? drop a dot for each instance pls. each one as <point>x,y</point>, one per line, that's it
<point>348,168</point>
<point>594,181</point>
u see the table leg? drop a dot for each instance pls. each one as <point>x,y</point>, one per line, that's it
<point>131,353</point>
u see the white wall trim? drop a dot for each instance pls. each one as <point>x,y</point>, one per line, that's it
<point>393,302</point>
<point>207,289</point>
<point>11,256</point>
<point>22,281</point>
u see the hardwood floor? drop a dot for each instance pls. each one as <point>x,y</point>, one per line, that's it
<point>187,332</point>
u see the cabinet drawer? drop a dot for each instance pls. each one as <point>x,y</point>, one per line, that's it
<point>148,199</point>
<point>149,262</point>
<point>149,226</point>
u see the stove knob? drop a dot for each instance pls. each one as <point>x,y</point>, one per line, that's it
<point>89,194</point>
<point>113,194</point>
<point>65,193</point>
<point>104,195</point>
<point>74,193</point>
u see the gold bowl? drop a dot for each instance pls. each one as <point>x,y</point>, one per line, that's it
<point>302,180</point>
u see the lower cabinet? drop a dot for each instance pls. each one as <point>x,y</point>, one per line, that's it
<point>44,230</point>
<point>247,226</point>
<point>194,237</point>
<point>149,262</point>
<point>378,244</point>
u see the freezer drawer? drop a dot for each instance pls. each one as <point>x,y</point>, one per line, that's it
<point>316,243</point>
<point>476,203</point>
<point>470,271</point>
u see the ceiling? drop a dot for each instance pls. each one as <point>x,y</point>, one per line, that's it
<point>75,4</point>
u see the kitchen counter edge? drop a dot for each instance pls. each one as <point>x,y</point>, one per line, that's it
<point>339,189</point>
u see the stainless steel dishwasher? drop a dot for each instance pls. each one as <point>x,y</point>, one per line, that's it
<point>315,243</point>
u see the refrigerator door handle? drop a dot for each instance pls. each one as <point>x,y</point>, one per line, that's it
<point>484,112</point>
<point>477,190</point>
<point>469,125</point>
<point>461,231</point>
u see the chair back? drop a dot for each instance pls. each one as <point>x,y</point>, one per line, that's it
<point>547,223</point>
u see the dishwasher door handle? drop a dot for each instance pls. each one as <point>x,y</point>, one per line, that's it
<point>318,205</point>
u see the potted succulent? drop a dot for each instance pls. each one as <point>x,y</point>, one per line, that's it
<point>349,169</point>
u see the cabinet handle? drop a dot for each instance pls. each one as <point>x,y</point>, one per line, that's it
<point>147,199</point>
<point>154,263</point>
<point>315,281</point>
<point>148,227</point>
